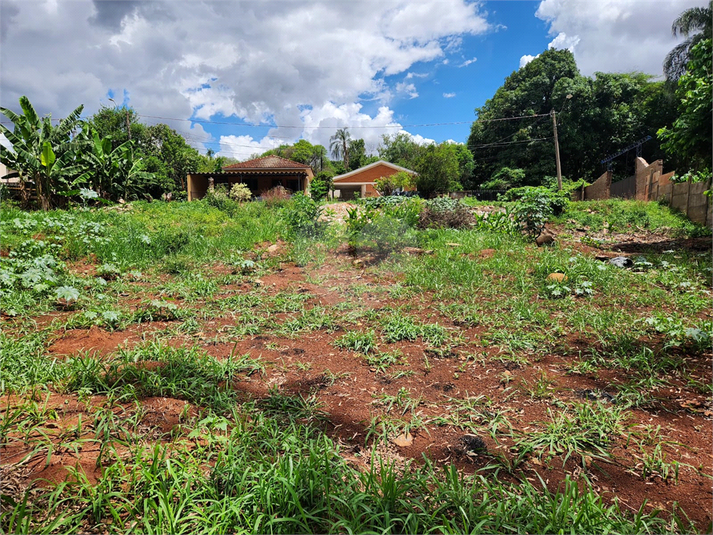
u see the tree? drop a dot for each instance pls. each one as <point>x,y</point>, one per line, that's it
<point>437,169</point>
<point>695,25</point>
<point>41,153</point>
<point>596,117</point>
<point>690,135</point>
<point>339,145</point>
<point>320,185</point>
<point>357,154</point>
<point>400,149</point>
<point>386,185</point>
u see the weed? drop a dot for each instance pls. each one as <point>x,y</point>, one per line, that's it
<point>357,341</point>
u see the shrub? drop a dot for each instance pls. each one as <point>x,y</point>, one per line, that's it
<point>444,212</point>
<point>302,216</point>
<point>320,185</point>
<point>386,185</point>
<point>240,192</point>
<point>276,196</point>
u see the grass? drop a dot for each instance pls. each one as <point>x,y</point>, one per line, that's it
<point>241,462</point>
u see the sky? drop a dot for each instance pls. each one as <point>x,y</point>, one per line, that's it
<point>241,77</point>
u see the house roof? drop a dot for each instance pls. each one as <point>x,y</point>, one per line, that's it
<point>370,166</point>
<point>266,162</point>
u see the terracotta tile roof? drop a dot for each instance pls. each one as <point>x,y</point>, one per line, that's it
<point>267,162</point>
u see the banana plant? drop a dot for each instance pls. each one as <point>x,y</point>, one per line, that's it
<point>111,173</point>
<point>41,153</point>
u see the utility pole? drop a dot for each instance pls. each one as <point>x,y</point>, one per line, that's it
<point>557,151</point>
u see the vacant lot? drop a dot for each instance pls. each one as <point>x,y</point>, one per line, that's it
<point>180,368</point>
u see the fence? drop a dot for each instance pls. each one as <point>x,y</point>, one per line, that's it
<point>650,183</point>
<point>480,194</point>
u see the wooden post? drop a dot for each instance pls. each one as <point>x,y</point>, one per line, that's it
<point>557,151</point>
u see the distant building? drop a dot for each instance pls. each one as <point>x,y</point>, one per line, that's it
<point>361,181</point>
<point>260,175</point>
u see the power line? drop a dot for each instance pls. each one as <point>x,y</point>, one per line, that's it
<point>496,144</point>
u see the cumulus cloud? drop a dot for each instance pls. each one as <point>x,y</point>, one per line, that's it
<point>262,62</point>
<point>524,60</point>
<point>614,35</point>
<point>243,147</point>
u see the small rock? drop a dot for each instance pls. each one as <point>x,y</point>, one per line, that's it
<point>557,277</point>
<point>545,239</point>
<point>403,440</point>
<point>621,261</point>
<point>417,250</point>
<point>473,444</point>
<point>258,282</point>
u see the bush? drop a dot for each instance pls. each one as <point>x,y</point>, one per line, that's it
<point>302,216</point>
<point>218,197</point>
<point>444,212</point>
<point>240,192</point>
<point>534,206</point>
<point>386,185</point>
<point>320,185</point>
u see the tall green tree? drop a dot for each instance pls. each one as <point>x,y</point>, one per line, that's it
<point>357,154</point>
<point>596,117</point>
<point>41,153</point>
<point>339,145</point>
<point>437,168</point>
<point>690,137</point>
<point>695,25</point>
<point>399,149</point>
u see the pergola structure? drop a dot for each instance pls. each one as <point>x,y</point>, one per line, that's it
<point>260,175</point>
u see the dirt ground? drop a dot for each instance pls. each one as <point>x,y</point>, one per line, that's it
<point>349,391</point>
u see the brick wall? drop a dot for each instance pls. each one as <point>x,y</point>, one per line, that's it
<point>600,188</point>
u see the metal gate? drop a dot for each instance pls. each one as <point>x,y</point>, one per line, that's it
<point>624,189</point>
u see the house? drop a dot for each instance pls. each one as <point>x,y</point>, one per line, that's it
<point>361,181</point>
<point>260,175</point>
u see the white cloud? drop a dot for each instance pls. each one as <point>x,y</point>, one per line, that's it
<point>407,89</point>
<point>614,35</point>
<point>564,42</point>
<point>449,95</point>
<point>417,138</point>
<point>251,60</point>
<point>468,62</point>
<point>524,60</point>
<point>243,147</point>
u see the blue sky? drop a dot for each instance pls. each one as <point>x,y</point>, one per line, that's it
<point>375,66</point>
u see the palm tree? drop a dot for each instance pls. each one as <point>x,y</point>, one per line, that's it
<point>339,145</point>
<point>695,25</point>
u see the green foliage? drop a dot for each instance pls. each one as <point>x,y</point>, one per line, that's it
<point>302,216</point>
<point>695,25</point>
<point>382,224</point>
<point>534,207</point>
<point>357,341</point>
<point>400,149</point>
<point>691,136</point>
<point>603,114</point>
<point>505,178</point>
<point>437,168</point>
<point>320,185</point>
<point>41,152</point>
<point>386,185</point>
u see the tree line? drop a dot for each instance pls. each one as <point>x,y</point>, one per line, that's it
<point>112,155</point>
